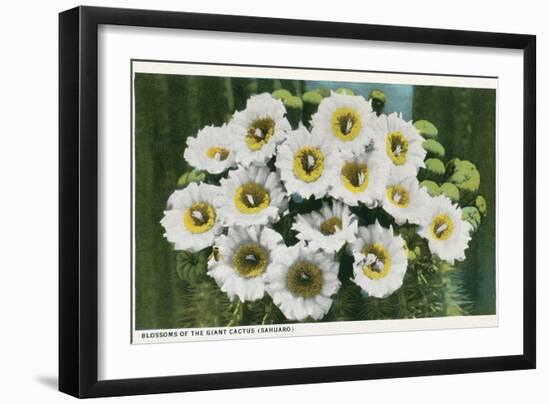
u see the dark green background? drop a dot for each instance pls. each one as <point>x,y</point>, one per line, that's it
<point>168,108</point>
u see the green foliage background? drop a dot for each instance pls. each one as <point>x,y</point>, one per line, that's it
<point>168,108</point>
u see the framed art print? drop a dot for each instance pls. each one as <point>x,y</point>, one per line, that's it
<point>277,202</point>
<point>350,175</point>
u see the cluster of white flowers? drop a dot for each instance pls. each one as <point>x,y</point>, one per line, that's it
<point>350,157</point>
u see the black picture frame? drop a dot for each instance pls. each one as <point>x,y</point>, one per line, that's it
<point>78,200</point>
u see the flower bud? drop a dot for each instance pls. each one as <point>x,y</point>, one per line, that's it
<point>345,91</point>
<point>472,216</point>
<point>294,106</point>
<point>378,101</point>
<point>481,205</point>
<point>434,148</point>
<point>434,170</point>
<point>432,188</point>
<point>281,94</point>
<point>465,176</point>
<point>426,128</point>
<point>189,177</point>
<point>451,191</point>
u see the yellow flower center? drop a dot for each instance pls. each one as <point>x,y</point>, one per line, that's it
<point>250,260</point>
<point>199,218</point>
<point>398,195</point>
<point>259,133</point>
<point>346,123</point>
<point>397,147</point>
<point>304,279</point>
<point>309,163</point>
<point>355,176</point>
<point>217,153</point>
<point>251,198</point>
<point>442,227</point>
<point>331,226</point>
<point>378,261</point>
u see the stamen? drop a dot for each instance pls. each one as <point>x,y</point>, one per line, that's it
<point>250,199</point>
<point>250,260</point>
<point>360,178</point>
<point>370,259</point>
<point>198,215</point>
<point>304,276</point>
<point>310,161</point>
<point>378,261</point>
<point>441,229</point>
<point>258,133</point>
<point>373,261</point>
<point>398,150</point>
<point>349,126</point>
<point>397,197</point>
<point>378,265</point>
<point>217,156</point>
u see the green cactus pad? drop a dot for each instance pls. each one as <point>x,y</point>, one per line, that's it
<point>451,191</point>
<point>205,306</point>
<point>472,216</point>
<point>426,128</point>
<point>481,205</point>
<point>465,176</point>
<point>189,177</point>
<point>434,170</point>
<point>434,148</point>
<point>432,188</point>
<point>190,266</point>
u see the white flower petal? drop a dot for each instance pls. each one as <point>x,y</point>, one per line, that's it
<point>173,223</point>
<point>415,153</point>
<point>393,245</point>
<point>202,151</point>
<point>260,106</point>
<point>454,246</point>
<point>227,205</point>
<point>296,307</point>
<point>230,280</point>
